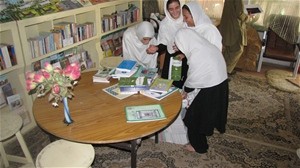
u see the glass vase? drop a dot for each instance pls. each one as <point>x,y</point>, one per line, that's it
<point>68,120</point>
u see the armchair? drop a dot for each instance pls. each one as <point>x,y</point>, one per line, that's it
<point>278,48</point>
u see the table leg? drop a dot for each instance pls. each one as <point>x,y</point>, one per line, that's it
<point>133,153</point>
<point>131,146</point>
<point>156,137</point>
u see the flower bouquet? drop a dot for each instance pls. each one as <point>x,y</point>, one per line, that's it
<point>59,82</point>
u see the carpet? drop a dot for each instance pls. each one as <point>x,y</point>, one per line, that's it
<point>278,79</point>
<point>263,130</point>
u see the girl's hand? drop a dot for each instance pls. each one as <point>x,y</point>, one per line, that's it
<point>151,49</point>
<point>175,48</point>
<point>183,94</point>
<point>180,56</point>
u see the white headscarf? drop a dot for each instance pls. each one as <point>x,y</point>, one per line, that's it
<point>203,25</point>
<point>168,28</point>
<point>207,66</point>
<point>134,49</point>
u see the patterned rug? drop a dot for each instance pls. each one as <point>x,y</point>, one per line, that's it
<point>263,130</point>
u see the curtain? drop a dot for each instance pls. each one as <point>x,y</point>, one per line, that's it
<point>271,10</point>
<point>282,16</point>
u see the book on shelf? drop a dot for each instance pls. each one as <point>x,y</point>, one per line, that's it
<point>114,91</point>
<point>2,99</point>
<point>14,101</point>
<point>126,65</point>
<point>68,4</point>
<point>5,55</point>
<point>103,75</point>
<point>47,7</point>
<point>12,54</point>
<point>133,84</point>
<point>161,85</point>
<point>7,90</point>
<point>175,68</point>
<point>3,81</point>
<point>158,95</point>
<point>144,113</point>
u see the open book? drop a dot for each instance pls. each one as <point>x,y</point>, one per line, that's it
<point>158,95</point>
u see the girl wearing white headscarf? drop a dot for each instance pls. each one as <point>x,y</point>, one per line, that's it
<point>167,30</point>
<point>206,88</point>
<point>195,18</point>
<point>136,40</point>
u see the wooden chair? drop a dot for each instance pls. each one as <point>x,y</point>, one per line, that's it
<point>275,47</point>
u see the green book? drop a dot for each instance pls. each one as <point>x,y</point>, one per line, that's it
<point>175,68</point>
<point>133,84</point>
<point>144,113</point>
<point>161,85</point>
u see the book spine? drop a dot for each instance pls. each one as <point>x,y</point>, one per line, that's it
<point>6,56</point>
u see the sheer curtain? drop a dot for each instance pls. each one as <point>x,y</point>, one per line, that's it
<point>271,10</point>
<point>282,16</point>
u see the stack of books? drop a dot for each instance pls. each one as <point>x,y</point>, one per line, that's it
<point>125,69</point>
<point>135,79</point>
<point>133,84</point>
<point>103,75</point>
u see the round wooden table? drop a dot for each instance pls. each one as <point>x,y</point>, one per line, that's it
<point>99,118</point>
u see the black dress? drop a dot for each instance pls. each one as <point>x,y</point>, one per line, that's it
<point>165,70</point>
<point>207,111</point>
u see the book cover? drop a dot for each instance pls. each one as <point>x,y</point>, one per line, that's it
<point>12,54</point>
<point>118,74</point>
<point>114,91</point>
<point>175,68</point>
<point>126,65</point>
<point>7,90</point>
<point>144,113</point>
<point>14,101</point>
<point>161,85</point>
<point>103,75</point>
<point>150,73</point>
<point>5,54</point>
<point>133,84</point>
<point>158,95</point>
<point>2,99</point>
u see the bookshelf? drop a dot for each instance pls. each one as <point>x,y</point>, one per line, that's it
<point>20,33</point>
<point>15,74</point>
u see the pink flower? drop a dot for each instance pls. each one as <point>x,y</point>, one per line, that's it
<point>30,85</point>
<point>55,81</point>
<point>46,74</point>
<point>30,75</point>
<point>38,78</point>
<point>56,89</point>
<point>72,71</point>
<point>48,67</point>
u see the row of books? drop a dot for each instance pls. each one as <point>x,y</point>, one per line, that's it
<point>63,59</point>
<point>27,9</point>
<point>7,56</point>
<point>120,18</point>
<point>62,35</point>
<point>111,44</point>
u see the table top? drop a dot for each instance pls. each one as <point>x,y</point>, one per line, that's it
<point>99,118</point>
